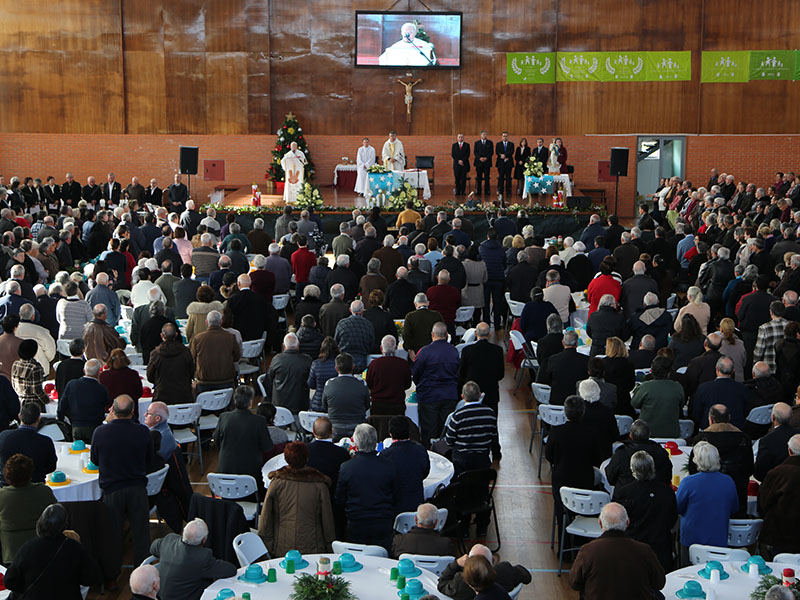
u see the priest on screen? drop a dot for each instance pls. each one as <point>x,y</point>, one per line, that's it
<point>393,156</point>
<point>410,51</point>
<point>364,160</point>
<point>293,164</point>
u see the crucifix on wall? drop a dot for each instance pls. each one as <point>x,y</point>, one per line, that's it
<point>409,98</point>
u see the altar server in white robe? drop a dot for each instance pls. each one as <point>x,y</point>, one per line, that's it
<point>293,164</point>
<point>394,157</point>
<point>364,160</point>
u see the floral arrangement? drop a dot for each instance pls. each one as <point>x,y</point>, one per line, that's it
<point>309,197</point>
<point>330,587</point>
<point>767,581</point>
<point>398,198</point>
<point>534,167</point>
<point>377,168</point>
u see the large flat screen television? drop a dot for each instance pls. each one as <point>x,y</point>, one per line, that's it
<point>430,40</point>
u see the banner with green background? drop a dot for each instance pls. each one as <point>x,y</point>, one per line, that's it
<point>725,67</point>
<point>668,66</point>
<point>623,66</point>
<point>579,66</point>
<point>772,64</point>
<point>530,67</point>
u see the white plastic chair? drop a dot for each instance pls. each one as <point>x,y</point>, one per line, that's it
<point>469,336</point>
<point>261,382</point>
<point>279,303</point>
<point>62,346</point>
<point>249,547</point>
<point>551,416</point>
<point>743,532</point>
<point>761,415</point>
<point>149,560</point>
<point>671,301</point>
<point>235,487</point>
<point>307,418</point>
<point>700,554</point>
<point>434,564</point>
<point>250,350</point>
<point>529,362</point>
<point>464,315</point>
<point>785,558</point>
<point>126,312</point>
<point>514,307</point>
<point>371,357</point>
<point>642,373</point>
<point>53,431</point>
<point>283,417</point>
<point>406,520</point>
<point>514,594</point>
<point>213,400</point>
<point>541,392</point>
<point>586,506</point>
<point>687,428</point>
<point>681,370</point>
<point>181,415</point>
<point>155,480</point>
<point>624,423</point>
<point>367,550</point>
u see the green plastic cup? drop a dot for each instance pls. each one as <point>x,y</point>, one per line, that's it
<point>393,573</point>
<point>401,582</point>
<point>272,575</point>
<point>337,567</point>
<point>289,567</point>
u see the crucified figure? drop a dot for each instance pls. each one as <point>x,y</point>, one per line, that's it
<point>409,98</point>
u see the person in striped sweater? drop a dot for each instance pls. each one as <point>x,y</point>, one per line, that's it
<point>471,431</point>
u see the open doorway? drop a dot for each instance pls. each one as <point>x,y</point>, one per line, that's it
<point>657,157</point>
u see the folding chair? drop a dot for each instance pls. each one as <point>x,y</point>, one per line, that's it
<point>761,415</point>
<point>552,416</point>
<point>464,315</point>
<point>155,481</point>
<point>477,496</point>
<point>700,554</point>
<point>254,349</point>
<point>187,418</point>
<point>404,521</point>
<point>469,336</point>
<point>365,549</point>
<point>249,548</point>
<point>434,564</point>
<point>514,594</point>
<point>786,558</point>
<point>236,487</point>
<point>215,400</point>
<point>687,428</point>
<point>743,532</point>
<point>307,418</point>
<point>585,505</point>
<point>624,423</point>
<point>541,392</point>
<point>529,362</point>
<point>53,431</point>
<point>514,309</point>
<point>279,303</point>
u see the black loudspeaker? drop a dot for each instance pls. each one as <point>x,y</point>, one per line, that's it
<point>189,159</point>
<point>619,162</point>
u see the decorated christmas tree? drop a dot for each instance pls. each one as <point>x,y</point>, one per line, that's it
<point>289,132</point>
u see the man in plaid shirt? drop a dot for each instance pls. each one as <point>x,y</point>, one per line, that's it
<point>355,335</point>
<point>768,335</point>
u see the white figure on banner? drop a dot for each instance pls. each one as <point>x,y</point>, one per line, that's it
<point>364,160</point>
<point>293,164</point>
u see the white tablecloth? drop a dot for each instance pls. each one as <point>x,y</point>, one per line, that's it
<point>562,179</point>
<point>370,583</point>
<point>440,474</point>
<point>738,586</point>
<point>342,168</point>
<point>83,486</point>
<point>417,179</point>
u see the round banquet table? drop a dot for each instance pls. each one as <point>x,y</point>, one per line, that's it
<point>738,586</point>
<point>83,486</point>
<point>371,582</point>
<point>440,474</point>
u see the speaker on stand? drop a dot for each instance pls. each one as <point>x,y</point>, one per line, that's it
<point>618,168</point>
<point>188,163</point>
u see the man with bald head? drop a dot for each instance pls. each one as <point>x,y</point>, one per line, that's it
<point>723,390</point>
<point>703,368</point>
<point>249,310</point>
<point>598,570</point>
<point>400,295</point>
<point>482,362</point>
<point>772,449</point>
<point>121,449</point>
<point>102,294</point>
<point>144,583</point>
<point>355,335</point>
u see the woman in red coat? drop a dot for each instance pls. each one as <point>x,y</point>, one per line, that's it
<point>607,281</point>
<point>118,378</point>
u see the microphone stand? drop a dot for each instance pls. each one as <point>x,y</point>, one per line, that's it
<point>407,39</point>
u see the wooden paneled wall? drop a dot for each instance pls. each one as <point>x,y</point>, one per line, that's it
<point>237,66</point>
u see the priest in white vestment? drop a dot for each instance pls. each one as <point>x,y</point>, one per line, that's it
<point>293,164</point>
<point>393,156</point>
<point>409,51</point>
<point>364,160</point>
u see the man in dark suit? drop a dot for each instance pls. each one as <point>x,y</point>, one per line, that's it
<point>185,291</point>
<point>91,192</point>
<point>323,454</point>
<point>343,274</point>
<point>504,163</point>
<point>177,195</point>
<point>772,448</point>
<point>52,194</point>
<point>541,153</point>
<point>521,279</point>
<point>153,193</point>
<point>483,163</point>
<point>400,295</point>
<point>482,362</point>
<point>423,537</point>
<point>722,390</point>
<point>460,154</point>
<point>418,324</point>
<point>565,369</point>
<point>703,368</point>
<point>71,191</point>
<point>26,440</point>
<point>242,437</point>
<point>112,191</point>
<point>249,310</point>
<point>345,398</point>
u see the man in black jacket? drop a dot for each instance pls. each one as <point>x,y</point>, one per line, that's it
<point>772,448</point>
<point>483,163</point>
<point>323,455</point>
<point>71,191</point>
<point>460,154</point>
<point>754,312</point>
<point>26,440</point>
<point>249,310</point>
<point>522,278</point>
<point>400,295</point>
<point>423,538</point>
<point>565,369</point>
<point>112,191</point>
<point>177,195</point>
<point>482,362</point>
<point>505,164</point>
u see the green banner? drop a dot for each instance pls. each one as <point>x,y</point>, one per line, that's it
<point>622,66</point>
<point>772,64</point>
<point>530,67</point>
<point>726,67</point>
<point>579,66</point>
<point>668,66</point>
<point>796,65</point>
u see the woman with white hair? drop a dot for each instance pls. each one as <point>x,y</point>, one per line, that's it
<point>706,501</point>
<point>599,418</point>
<point>695,307</point>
